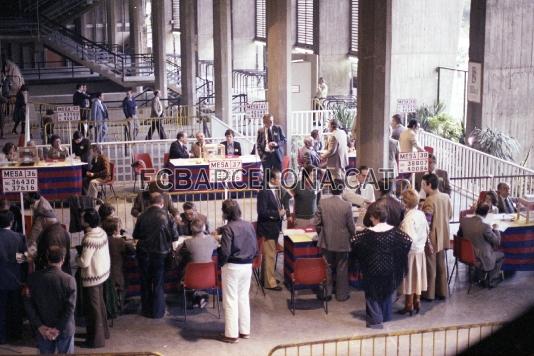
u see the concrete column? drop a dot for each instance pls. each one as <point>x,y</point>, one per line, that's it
<point>111,23</point>
<point>82,21</point>
<point>136,13</point>
<point>334,66</point>
<point>374,82</point>
<point>188,45</point>
<point>279,27</point>
<point>222,44</point>
<point>159,41</point>
<point>477,39</point>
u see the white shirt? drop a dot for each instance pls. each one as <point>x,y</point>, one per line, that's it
<point>368,192</point>
<point>381,227</point>
<point>322,91</point>
<point>415,225</point>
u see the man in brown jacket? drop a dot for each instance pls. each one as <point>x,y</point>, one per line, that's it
<point>439,206</point>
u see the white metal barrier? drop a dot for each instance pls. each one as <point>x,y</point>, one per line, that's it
<point>122,153</point>
<point>463,161</point>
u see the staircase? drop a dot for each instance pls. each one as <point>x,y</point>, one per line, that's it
<point>119,67</point>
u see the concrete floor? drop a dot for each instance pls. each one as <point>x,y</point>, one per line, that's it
<point>273,324</point>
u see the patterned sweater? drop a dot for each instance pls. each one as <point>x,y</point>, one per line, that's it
<point>94,260</point>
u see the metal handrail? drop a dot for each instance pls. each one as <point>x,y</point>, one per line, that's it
<point>307,348</point>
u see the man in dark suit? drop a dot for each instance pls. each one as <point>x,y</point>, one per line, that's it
<point>231,147</point>
<point>485,240</point>
<point>271,212</point>
<point>83,100</point>
<point>12,248</point>
<point>50,305</point>
<point>179,147</point>
<point>269,144</point>
<point>505,204</point>
<point>393,206</point>
<point>335,226</point>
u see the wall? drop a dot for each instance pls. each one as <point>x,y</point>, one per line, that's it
<point>508,83</point>
<point>205,29</point>
<point>425,35</point>
<point>334,37</point>
<point>243,32</point>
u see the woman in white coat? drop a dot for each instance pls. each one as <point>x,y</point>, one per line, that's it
<point>414,225</point>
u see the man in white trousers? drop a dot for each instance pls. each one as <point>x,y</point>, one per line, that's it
<point>238,249</point>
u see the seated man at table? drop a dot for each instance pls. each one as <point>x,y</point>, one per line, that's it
<point>198,148</point>
<point>485,240</point>
<point>189,214</point>
<point>179,147</point>
<point>364,192</point>
<point>505,204</point>
<point>56,151</point>
<point>81,147</point>
<point>99,173</point>
<point>199,248</point>
<point>231,147</point>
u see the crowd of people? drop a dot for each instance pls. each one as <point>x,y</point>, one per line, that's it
<point>399,245</point>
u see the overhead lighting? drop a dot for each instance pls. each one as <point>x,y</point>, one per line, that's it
<point>260,43</point>
<point>297,60</point>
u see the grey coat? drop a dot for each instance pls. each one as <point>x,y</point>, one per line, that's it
<point>335,224</point>
<point>483,238</point>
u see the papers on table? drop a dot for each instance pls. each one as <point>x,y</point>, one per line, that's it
<point>300,235</point>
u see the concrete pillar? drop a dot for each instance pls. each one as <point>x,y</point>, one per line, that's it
<point>244,31</point>
<point>111,23</point>
<point>477,39</point>
<point>222,44</point>
<point>159,41</point>
<point>334,36</point>
<point>279,27</point>
<point>374,82</point>
<point>82,23</point>
<point>188,45</point>
<point>136,13</point>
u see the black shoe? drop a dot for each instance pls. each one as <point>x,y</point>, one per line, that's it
<point>440,297</point>
<point>276,289</point>
<point>343,299</point>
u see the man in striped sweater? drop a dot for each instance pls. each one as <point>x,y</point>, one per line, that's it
<point>94,263</point>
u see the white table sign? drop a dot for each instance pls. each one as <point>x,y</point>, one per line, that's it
<point>413,162</point>
<point>19,180</point>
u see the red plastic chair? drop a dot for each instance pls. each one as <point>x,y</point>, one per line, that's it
<point>309,272</point>
<point>256,265</point>
<point>201,276</point>
<point>109,182</point>
<point>464,253</point>
<point>138,168</point>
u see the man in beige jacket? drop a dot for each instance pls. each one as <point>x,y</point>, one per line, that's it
<point>439,206</point>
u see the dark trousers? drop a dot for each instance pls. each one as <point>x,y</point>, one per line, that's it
<point>156,125</point>
<point>152,268</point>
<point>338,262</point>
<point>64,344</point>
<point>10,315</point>
<point>270,161</point>
<point>495,273</point>
<point>96,316</point>
<point>378,311</point>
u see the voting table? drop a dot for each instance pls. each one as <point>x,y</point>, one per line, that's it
<point>56,180</point>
